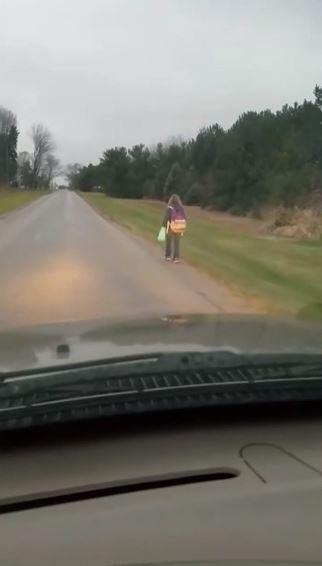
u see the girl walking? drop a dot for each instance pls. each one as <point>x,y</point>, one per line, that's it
<point>175,223</point>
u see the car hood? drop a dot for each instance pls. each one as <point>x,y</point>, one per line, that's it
<point>42,346</point>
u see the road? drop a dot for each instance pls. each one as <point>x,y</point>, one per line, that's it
<point>61,261</point>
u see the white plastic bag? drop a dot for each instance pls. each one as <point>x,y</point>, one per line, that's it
<point>161,235</point>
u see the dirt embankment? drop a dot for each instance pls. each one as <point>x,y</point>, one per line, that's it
<point>296,223</point>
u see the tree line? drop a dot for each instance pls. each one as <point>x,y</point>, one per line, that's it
<point>264,158</point>
<point>35,169</point>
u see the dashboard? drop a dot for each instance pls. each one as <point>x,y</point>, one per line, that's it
<point>242,486</point>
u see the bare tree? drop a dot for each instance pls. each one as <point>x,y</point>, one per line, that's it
<point>24,161</point>
<point>51,169</point>
<point>43,145</point>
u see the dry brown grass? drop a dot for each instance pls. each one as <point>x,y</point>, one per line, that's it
<point>296,223</point>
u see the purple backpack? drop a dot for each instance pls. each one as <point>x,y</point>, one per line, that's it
<point>178,222</point>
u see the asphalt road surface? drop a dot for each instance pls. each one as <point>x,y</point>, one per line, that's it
<point>61,261</point>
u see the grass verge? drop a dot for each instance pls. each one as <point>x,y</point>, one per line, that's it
<point>14,198</point>
<point>283,275</point>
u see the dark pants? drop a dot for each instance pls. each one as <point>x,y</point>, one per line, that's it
<point>172,245</point>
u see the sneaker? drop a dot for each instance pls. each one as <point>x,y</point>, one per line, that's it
<point>167,258</point>
<point>176,260</point>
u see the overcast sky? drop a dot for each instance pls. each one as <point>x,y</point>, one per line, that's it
<point>101,73</point>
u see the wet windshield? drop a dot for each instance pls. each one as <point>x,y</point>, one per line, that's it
<point>160,179</point>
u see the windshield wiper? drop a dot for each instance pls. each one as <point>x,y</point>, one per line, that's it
<point>155,382</point>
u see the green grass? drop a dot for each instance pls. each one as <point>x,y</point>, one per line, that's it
<point>285,275</point>
<point>13,198</point>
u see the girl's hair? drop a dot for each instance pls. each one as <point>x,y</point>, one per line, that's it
<point>175,200</point>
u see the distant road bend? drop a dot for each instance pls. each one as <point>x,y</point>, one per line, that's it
<point>60,261</point>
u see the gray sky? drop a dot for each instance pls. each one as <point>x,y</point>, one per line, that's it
<point>100,73</point>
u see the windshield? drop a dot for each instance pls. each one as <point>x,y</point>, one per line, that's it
<point>160,180</point>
